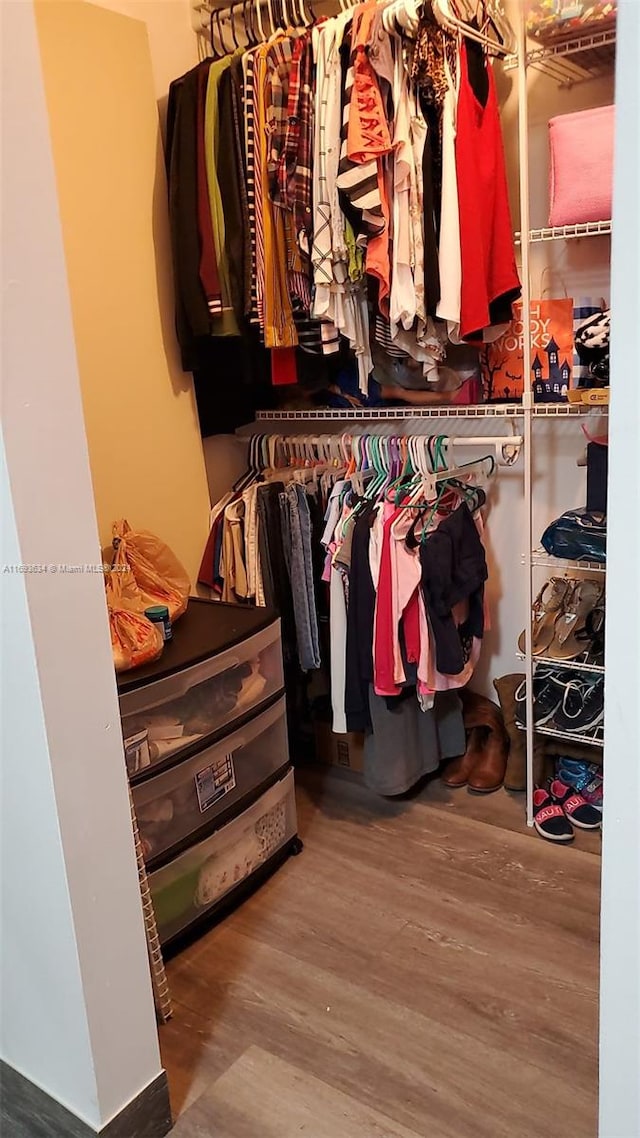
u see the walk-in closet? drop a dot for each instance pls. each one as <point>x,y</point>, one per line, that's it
<point>323,539</point>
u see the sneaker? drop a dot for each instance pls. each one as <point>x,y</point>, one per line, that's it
<point>548,692</point>
<point>575,772</point>
<point>593,792</point>
<point>549,819</point>
<point>582,706</point>
<point>578,811</point>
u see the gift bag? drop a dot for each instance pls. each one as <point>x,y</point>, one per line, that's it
<point>551,325</point>
<point>159,576</point>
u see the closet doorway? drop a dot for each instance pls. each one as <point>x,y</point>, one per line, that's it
<point>429,965</point>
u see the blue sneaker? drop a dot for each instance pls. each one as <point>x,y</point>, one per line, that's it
<point>575,772</point>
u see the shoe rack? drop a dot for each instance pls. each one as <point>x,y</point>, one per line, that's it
<point>577,60</point>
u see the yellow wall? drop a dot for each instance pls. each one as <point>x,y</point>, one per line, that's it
<point>142,428</point>
<point>172,41</point>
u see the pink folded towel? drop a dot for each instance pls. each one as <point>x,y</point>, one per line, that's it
<point>581,167</point>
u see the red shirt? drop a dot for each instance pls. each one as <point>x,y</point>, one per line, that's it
<point>490,279</point>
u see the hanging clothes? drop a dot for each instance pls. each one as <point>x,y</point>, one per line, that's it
<point>378,589</point>
<point>490,281</point>
<point>342,185</point>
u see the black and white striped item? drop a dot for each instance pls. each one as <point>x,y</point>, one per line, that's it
<point>357,181</point>
<point>383,336</point>
<point>593,333</point>
<point>592,344</point>
<point>316,337</point>
<point>251,296</point>
<point>583,308</point>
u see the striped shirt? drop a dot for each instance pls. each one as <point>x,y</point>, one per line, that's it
<point>357,181</point>
<point>251,294</point>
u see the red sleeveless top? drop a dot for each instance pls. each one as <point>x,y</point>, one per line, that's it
<point>490,279</point>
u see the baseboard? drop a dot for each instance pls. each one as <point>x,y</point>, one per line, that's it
<point>26,1111</point>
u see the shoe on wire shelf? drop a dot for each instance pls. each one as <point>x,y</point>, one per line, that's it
<point>582,706</point>
<point>548,692</point>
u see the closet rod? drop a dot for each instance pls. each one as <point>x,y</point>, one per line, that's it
<point>373,429</point>
<point>507,447</point>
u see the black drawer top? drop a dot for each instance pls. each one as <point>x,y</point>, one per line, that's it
<point>206,629</point>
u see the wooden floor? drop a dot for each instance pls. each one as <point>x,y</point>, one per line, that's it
<point>424,969</point>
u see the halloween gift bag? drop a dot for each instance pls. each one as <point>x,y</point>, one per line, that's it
<point>551,330</point>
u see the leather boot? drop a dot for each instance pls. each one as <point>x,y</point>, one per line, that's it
<point>516,773</point>
<point>478,711</point>
<point>487,773</point>
<point>457,771</point>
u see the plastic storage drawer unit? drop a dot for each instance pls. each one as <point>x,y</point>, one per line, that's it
<point>177,711</point>
<point>173,804</point>
<point>195,881</point>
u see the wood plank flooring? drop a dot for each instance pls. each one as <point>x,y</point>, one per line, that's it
<point>426,968</point>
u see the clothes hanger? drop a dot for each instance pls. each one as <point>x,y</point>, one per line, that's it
<point>444,482</point>
<point>270,14</point>
<point>232,29</point>
<point>250,474</point>
<point>257,5</point>
<point>304,19</point>
<point>247,18</point>
<point>232,25</point>
<point>296,19</point>
<point>213,48</point>
<point>225,49</point>
<point>433,483</point>
<point>447,14</point>
<point>287,23</point>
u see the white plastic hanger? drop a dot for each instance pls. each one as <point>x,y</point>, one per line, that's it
<point>447,15</point>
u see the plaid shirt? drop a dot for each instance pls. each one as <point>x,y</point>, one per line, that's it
<point>278,60</point>
<point>294,170</point>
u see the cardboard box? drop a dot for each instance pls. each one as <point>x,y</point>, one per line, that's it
<point>346,751</point>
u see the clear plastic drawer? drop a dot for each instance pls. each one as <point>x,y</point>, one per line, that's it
<point>162,718</point>
<point>174,803</point>
<point>196,880</point>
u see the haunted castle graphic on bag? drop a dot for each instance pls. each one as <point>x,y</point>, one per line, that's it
<point>551,330</point>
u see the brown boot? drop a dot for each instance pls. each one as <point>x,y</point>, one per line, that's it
<point>516,773</point>
<point>456,772</point>
<point>478,711</point>
<point>487,773</point>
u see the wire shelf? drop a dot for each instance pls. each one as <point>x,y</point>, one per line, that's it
<point>568,736</point>
<point>574,60</point>
<point>566,232</point>
<point>571,665</point>
<point>478,411</point>
<point>564,410</point>
<point>540,557</point>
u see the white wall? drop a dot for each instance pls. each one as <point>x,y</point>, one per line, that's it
<point>78,1021</point>
<point>620,917</point>
<point>35,893</point>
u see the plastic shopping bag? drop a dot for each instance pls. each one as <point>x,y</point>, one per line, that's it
<point>159,577</point>
<point>134,639</point>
